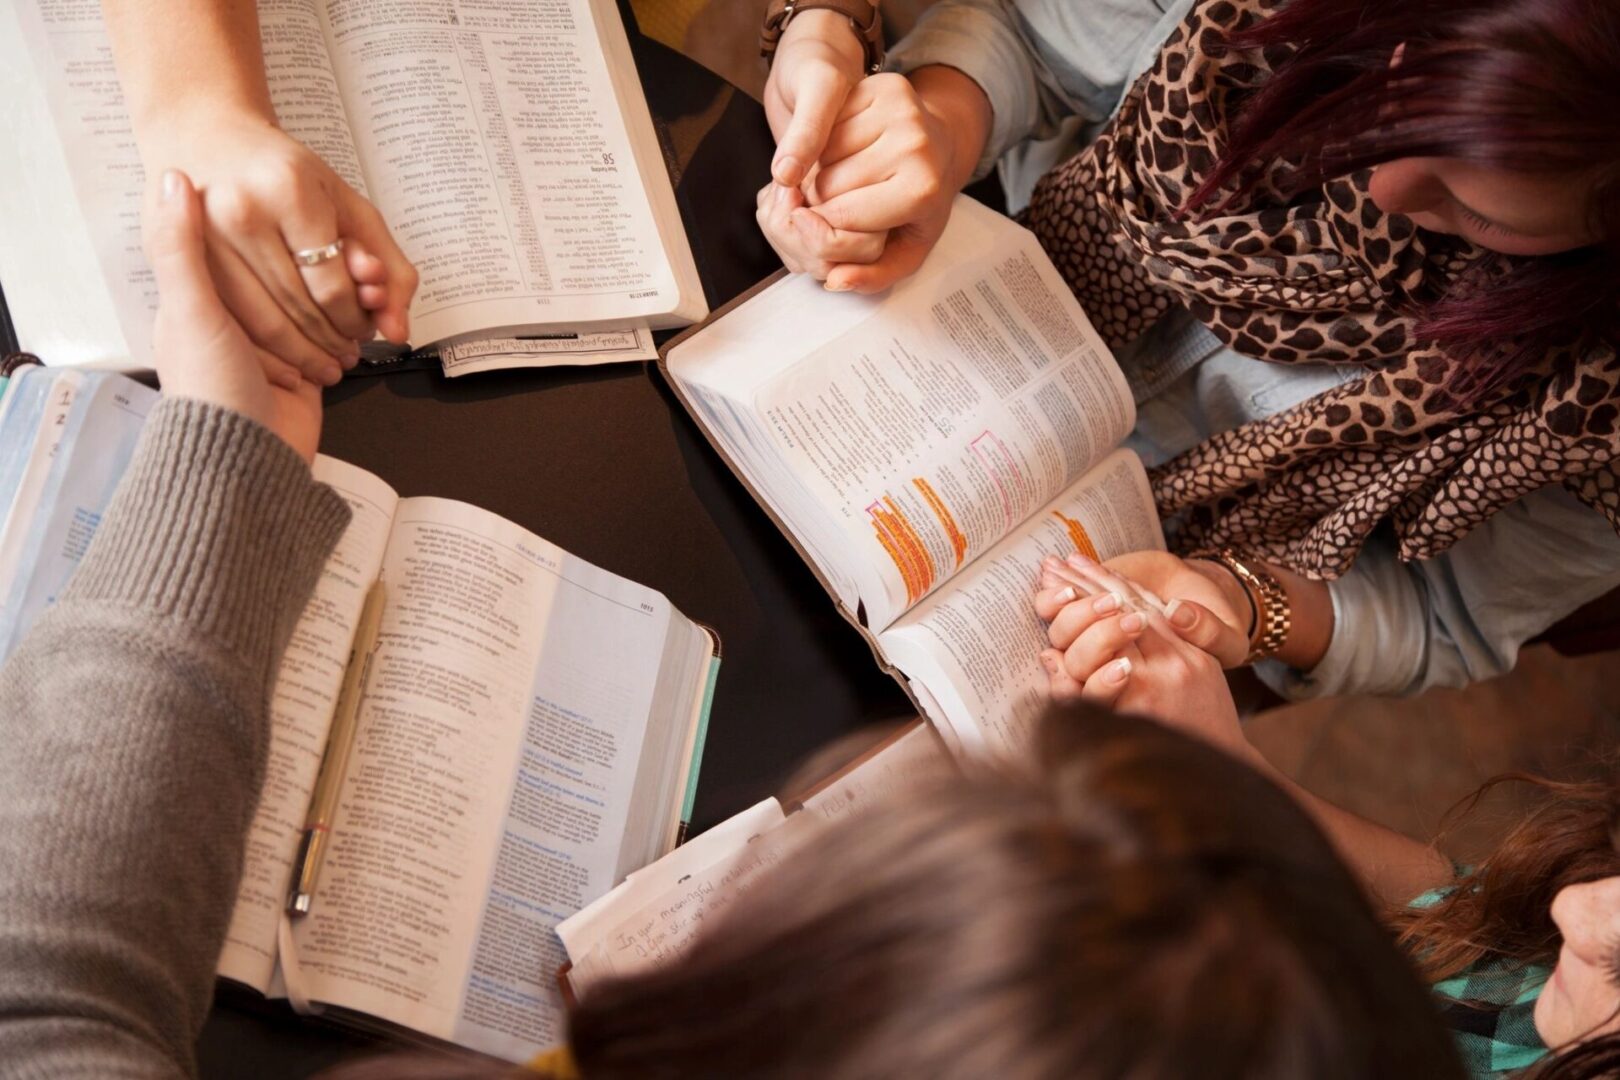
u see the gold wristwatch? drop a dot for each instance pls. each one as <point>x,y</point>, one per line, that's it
<point>1273,617</point>
<point>862,16</point>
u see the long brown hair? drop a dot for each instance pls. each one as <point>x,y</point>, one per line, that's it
<point>1131,903</point>
<point>1504,913</point>
<point>1134,904</point>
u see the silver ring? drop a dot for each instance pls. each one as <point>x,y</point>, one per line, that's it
<point>316,255</point>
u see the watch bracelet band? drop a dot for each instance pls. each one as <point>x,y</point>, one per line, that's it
<point>1273,616</point>
<point>862,15</point>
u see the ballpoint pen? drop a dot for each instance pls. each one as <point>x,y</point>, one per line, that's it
<point>339,741</point>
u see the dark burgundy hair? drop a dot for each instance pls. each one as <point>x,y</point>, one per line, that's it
<point>1523,85</point>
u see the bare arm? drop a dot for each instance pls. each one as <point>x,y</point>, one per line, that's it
<point>177,58</point>
<point>1394,867</point>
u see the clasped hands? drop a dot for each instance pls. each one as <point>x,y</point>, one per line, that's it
<point>1168,666</point>
<point>866,168</point>
<point>264,196</point>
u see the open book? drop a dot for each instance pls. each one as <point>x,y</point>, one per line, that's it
<point>506,142</point>
<point>529,732</point>
<point>925,449</point>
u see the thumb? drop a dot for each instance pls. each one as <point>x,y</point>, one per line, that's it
<point>902,256</point>
<point>174,245</point>
<point>1197,625</point>
<point>817,101</point>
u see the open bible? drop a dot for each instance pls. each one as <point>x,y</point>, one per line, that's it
<point>925,449</point>
<point>506,143</point>
<point>529,731</point>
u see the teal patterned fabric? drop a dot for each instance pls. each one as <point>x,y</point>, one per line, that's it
<point>1490,1009</point>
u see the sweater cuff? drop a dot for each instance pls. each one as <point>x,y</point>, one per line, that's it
<point>217,525</point>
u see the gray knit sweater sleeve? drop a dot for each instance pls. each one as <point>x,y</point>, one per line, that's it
<point>135,721</point>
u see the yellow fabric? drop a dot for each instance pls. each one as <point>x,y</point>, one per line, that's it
<point>667,21</point>
<point>556,1064</point>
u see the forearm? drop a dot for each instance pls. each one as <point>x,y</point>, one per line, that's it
<point>136,732</point>
<point>1393,867</point>
<point>964,108</point>
<point>176,56</point>
<point>982,40</point>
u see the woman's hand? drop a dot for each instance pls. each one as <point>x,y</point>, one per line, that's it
<point>265,196</point>
<point>201,350</point>
<point>901,150</point>
<point>890,165</point>
<point>1211,609</point>
<point>1136,662</point>
<point>803,241</point>
<point>817,63</point>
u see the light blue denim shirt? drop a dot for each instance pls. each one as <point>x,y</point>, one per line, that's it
<point>1054,71</point>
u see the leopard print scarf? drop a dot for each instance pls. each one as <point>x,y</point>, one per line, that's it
<point>1323,278</point>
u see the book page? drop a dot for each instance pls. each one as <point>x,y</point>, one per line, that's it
<point>489,783</point>
<point>658,929</point>
<point>28,446</point>
<point>974,645</point>
<point>932,431</point>
<point>87,217</point>
<point>99,436</point>
<point>585,927</point>
<point>589,347</point>
<point>499,156</point>
<point>658,912</point>
<point>302,702</point>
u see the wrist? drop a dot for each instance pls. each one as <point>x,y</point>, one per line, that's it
<point>1312,629</point>
<point>1238,599</point>
<point>832,31</point>
<point>197,119</point>
<point>962,109</point>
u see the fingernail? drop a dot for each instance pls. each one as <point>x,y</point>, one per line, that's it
<point>1067,595</point>
<point>332,375</point>
<point>1132,623</point>
<point>1052,562</point>
<point>1119,670</point>
<point>171,184</point>
<point>842,286</point>
<point>1105,603</point>
<point>1049,662</point>
<point>786,170</point>
<point>1180,614</point>
<point>1080,562</point>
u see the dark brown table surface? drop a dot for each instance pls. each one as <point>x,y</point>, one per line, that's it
<point>606,464</point>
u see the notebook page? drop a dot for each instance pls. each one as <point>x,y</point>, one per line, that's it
<point>657,913</point>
